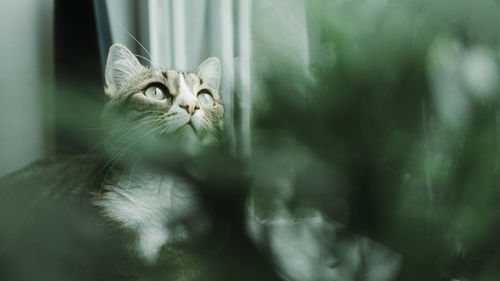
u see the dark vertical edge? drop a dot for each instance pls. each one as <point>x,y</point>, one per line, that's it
<point>78,79</point>
<point>104,36</point>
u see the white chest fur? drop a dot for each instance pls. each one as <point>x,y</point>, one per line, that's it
<point>147,204</point>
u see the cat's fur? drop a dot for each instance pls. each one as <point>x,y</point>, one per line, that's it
<point>118,189</point>
<point>146,202</point>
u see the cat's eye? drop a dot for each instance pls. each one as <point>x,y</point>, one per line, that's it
<point>205,98</point>
<point>155,93</point>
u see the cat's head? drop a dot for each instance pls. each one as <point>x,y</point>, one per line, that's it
<point>152,104</point>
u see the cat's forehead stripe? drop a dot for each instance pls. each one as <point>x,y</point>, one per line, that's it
<point>175,80</point>
<point>192,79</point>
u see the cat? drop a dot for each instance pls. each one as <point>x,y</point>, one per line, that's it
<point>147,111</point>
<point>183,107</point>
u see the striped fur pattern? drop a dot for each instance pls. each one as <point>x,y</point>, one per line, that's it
<point>147,105</point>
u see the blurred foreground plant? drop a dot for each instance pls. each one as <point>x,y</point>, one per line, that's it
<point>390,135</point>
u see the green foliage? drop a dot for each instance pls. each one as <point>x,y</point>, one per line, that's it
<point>392,132</point>
<point>397,130</point>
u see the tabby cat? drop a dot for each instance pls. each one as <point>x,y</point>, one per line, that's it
<point>184,107</point>
<point>64,206</point>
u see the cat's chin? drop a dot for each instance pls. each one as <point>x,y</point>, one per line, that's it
<point>187,131</point>
<point>187,139</point>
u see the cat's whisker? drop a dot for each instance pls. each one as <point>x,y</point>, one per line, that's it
<point>162,112</point>
<point>143,57</point>
<point>160,134</point>
<point>146,112</point>
<point>152,131</point>
<point>127,127</point>
<point>145,50</point>
<point>116,141</point>
<point>119,155</point>
<point>121,130</point>
<point>137,123</point>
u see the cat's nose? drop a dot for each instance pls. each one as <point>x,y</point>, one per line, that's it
<point>191,107</point>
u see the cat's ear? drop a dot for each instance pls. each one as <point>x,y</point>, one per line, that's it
<point>210,72</point>
<point>121,67</point>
